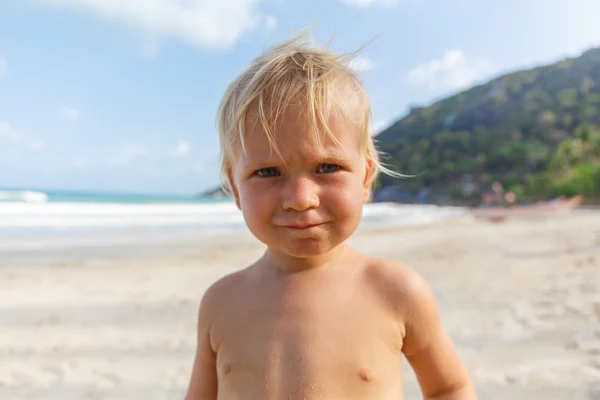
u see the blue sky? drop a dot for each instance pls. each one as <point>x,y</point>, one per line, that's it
<point>121,95</point>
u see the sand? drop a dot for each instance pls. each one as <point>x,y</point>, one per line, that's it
<point>521,300</point>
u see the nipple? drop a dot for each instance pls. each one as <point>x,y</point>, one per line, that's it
<point>365,375</point>
<point>226,368</point>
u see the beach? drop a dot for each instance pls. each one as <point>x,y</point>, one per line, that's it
<point>521,300</point>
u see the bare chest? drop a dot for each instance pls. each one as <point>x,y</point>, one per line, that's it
<point>286,347</point>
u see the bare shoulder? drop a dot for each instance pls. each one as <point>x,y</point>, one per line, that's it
<point>400,283</point>
<point>410,299</point>
<point>220,292</point>
<point>218,300</point>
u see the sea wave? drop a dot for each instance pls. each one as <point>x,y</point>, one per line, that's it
<point>96,215</point>
<point>408,214</point>
<point>23,196</point>
<point>28,227</point>
<point>72,215</point>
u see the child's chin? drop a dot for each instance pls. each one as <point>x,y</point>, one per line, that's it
<point>305,248</point>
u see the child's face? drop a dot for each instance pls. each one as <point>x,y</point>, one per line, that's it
<point>310,199</point>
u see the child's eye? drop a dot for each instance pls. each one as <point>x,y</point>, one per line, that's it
<point>328,168</point>
<point>267,172</point>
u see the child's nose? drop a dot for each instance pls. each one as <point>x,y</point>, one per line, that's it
<point>300,194</point>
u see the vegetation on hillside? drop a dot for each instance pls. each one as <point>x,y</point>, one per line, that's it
<point>535,131</point>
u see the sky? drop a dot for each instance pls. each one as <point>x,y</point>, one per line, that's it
<point>121,95</point>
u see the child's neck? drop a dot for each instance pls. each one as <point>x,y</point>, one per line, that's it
<point>290,264</point>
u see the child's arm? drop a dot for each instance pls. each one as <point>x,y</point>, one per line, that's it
<point>428,348</point>
<point>203,382</point>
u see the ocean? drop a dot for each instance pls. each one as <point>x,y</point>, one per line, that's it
<point>34,220</point>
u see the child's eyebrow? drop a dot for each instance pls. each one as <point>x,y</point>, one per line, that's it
<point>331,155</point>
<point>267,159</point>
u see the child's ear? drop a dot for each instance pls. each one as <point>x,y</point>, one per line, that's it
<point>369,170</point>
<point>234,190</point>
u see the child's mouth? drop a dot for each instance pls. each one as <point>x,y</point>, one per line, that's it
<point>303,226</point>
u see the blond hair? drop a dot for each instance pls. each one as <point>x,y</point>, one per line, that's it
<point>297,73</point>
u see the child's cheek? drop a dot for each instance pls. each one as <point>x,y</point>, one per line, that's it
<point>257,196</point>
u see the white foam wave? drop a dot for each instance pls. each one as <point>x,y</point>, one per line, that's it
<point>26,196</point>
<point>31,227</point>
<point>78,215</point>
<point>98,215</point>
<point>408,214</point>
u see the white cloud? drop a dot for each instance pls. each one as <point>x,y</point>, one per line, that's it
<point>8,133</point>
<point>453,71</point>
<point>361,64</point>
<point>183,148</point>
<point>129,154</point>
<point>79,163</point>
<point>3,64</point>
<point>15,155</point>
<point>36,144</point>
<point>369,3</point>
<point>68,113</point>
<point>380,125</point>
<point>201,23</point>
<point>18,143</point>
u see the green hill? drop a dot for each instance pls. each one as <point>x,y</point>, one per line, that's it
<point>535,131</point>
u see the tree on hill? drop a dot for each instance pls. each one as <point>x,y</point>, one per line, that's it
<point>535,131</point>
